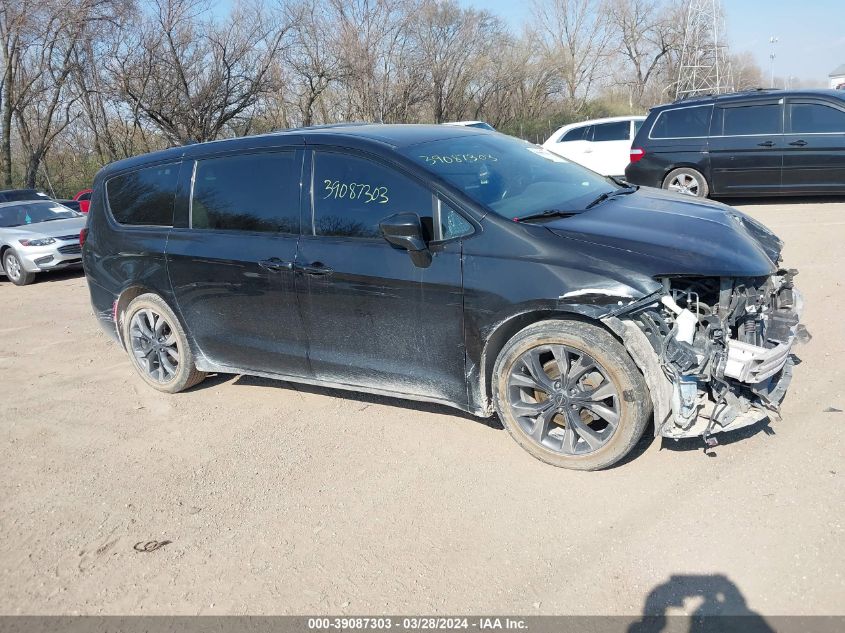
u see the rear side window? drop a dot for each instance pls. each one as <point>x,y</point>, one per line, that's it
<point>252,192</point>
<point>619,131</point>
<point>688,122</point>
<point>353,194</point>
<point>749,120</point>
<point>84,196</point>
<point>816,118</point>
<point>144,197</point>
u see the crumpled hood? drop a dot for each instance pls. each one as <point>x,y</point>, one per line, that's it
<point>54,228</point>
<point>677,235</point>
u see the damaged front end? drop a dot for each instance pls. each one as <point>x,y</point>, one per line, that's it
<point>715,351</point>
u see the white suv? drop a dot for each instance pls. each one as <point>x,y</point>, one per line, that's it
<point>602,145</point>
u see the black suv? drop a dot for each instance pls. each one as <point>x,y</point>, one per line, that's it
<point>762,142</point>
<point>450,265</point>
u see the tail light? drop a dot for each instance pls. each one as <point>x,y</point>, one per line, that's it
<point>637,154</point>
<point>82,235</point>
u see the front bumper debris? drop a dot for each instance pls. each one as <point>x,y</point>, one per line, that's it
<point>715,353</point>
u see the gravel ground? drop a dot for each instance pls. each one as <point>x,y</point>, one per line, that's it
<point>286,499</point>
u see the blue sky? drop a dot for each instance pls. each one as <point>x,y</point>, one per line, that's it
<point>811,33</point>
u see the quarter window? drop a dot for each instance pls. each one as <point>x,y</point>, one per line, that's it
<point>144,197</point>
<point>619,131</point>
<point>353,194</point>
<point>452,223</point>
<point>816,118</point>
<point>752,119</point>
<point>248,192</point>
<point>687,122</point>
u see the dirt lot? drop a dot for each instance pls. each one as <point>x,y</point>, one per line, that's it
<point>286,499</point>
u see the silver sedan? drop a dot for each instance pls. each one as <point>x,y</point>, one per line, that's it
<point>37,236</point>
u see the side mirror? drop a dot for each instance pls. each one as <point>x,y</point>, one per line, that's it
<point>405,231</point>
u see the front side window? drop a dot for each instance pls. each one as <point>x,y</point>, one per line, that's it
<point>686,122</point>
<point>145,196</point>
<point>816,118</point>
<point>352,195</point>
<point>751,120</point>
<point>618,131</point>
<point>247,192</point>
<point>513,178</point>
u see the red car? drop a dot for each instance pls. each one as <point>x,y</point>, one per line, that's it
<point>84,199</point>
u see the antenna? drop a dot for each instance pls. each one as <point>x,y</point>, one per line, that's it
<point>772,40</point>
<point>704,66</point>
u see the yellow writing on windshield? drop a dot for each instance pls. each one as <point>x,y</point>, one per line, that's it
<point>448,159</point>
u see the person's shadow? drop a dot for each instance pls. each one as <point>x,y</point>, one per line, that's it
<point>717,603</point>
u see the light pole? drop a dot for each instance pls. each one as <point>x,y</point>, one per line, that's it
<point>772,40</point>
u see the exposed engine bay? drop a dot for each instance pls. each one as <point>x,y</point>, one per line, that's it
<point>716,352</point>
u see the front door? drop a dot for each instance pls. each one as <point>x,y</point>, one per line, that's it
<point>746,147</point>
<point>374,318</point>
<point>814,150</point>
<point>231,267</point>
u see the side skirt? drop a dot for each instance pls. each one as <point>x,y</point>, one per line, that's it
<point>207,366</point>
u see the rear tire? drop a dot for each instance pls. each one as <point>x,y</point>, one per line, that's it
<point>590,401</point>
<point>687,181</point>
<point>157,345</point>
<point>14,269</point>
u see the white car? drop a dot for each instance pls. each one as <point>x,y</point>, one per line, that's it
<point>37,236</point>
<point>481,125</point>
<point>603,145</point>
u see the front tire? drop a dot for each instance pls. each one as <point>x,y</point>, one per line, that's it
<point>570,395</point>
<point>15,270</point>
<point>687,181</point>
<point>157,345</point>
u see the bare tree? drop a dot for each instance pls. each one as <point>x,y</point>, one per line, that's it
<point>455,46</point>
<point>577,40</point>
<point>192,77</point>
<point>386,80</point>
<point>42,40</point>
<point>314,58</point>
<point>644,37</point>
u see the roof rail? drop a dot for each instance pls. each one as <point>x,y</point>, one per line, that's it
<point>323,126</point>
<point>710,95</point>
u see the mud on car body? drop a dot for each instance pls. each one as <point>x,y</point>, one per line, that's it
<point>450,265</point>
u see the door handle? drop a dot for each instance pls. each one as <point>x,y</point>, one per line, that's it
<point>767,144</point>
<point>274,264</point>
<point>798,143</point>
<point>315,269</point>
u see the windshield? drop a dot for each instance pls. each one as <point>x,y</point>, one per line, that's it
<point>33,213</point>
<point>513,178</point>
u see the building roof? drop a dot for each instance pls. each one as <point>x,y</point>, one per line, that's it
<point>839,70</point>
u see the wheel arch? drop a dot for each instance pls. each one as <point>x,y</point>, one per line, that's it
<point>127,295</point>
<point>688,165</point>
<point>510,327</point>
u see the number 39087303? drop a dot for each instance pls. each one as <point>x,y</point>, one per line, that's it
<point>355,191</point>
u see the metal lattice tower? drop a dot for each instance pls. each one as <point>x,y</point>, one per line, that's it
<point>704,67</point>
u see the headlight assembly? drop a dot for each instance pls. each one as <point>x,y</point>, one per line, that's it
<point>44,241</point>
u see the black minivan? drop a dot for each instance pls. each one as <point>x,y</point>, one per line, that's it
<point>450,265</point>
<point>763,142</point>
